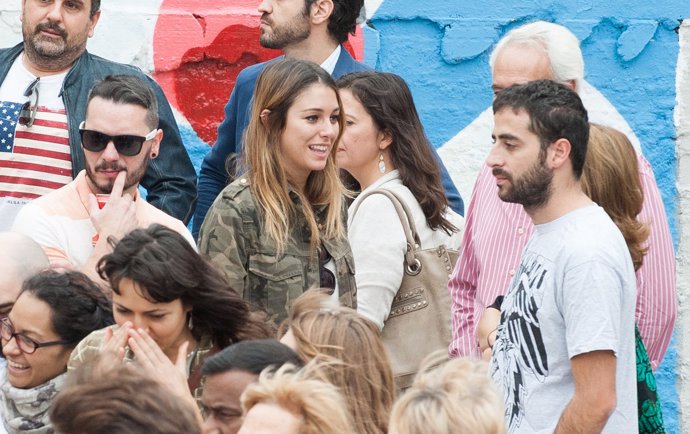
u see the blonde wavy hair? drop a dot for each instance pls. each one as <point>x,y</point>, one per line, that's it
<point>318,404</point>
<point>351,355</point>
<point>457,397</point>
<point>277,88</point>
<point>611,179</point>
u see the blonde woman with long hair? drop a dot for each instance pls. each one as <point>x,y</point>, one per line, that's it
<point>350,353</point>
<point>279,229</point>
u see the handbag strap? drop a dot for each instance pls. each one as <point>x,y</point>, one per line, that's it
<point>405,216</point>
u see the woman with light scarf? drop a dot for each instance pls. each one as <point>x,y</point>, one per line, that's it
<point>52,314</point>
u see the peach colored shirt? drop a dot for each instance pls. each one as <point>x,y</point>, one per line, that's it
<point>60,223</point>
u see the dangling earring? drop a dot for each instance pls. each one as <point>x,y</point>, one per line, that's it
<point>190,322</point>
<point>382,165</point>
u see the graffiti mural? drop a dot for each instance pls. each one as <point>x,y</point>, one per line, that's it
<point>198,52</point>
<point>198,71</point>
<point>196,48</point>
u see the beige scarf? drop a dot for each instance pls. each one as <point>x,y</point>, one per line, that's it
<point>25,411</point>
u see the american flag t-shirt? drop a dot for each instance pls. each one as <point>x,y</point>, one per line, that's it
<point>33,160</point>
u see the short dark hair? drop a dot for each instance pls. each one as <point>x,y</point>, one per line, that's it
<point>165,267</point>
<point>251,356</point>
<point>78,305</point>
<point>128,89</point>
<point>555,111</point>
<point>119,401</point>
<point>95,7</point>
<point>343,19</point>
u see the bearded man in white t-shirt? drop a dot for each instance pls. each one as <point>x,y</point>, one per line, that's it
<point>564,353</point>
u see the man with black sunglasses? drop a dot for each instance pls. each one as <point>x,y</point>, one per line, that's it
<point>44,84</point>
<point>119,138</point>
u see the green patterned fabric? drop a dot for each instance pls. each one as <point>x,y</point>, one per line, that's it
<point>650,419</point>
<point>233,237</point>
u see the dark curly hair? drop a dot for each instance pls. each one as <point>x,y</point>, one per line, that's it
<point>166,268</point>
<point>78,305</point>
<point>343,20</point>
<point>95,7</point>
<point>555,111</point>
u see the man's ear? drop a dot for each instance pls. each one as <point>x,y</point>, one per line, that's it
<point>94,20</point>
<point>156,145</point>
<point>558,153</point>
<point>321,11</point>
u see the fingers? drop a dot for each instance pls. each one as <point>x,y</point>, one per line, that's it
<point>108,335</point>
<point>145,348</point>
<point>116,340</point>
<point>151,358</point>
<point>93,204</point>
<point>119,184</point>
<point>113,346</point>
<point>61,265</point>
<point>181,361</point>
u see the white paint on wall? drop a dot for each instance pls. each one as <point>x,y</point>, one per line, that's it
<point>682,121</point>
<point>10,26</point>
<point>371,6</point>
<point>124,32</point>
<point>465,153</point>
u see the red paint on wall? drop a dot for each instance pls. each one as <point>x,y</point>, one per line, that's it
<point>200,47</point>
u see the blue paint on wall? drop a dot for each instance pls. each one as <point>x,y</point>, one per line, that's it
<point>196,148</point>
<point>629,85</point>
<point>442,51</point>
<point>665,376</point>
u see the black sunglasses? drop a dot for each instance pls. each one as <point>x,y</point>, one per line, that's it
<point>127,145</point>
<point>27,114</point>
<point>24,343</point>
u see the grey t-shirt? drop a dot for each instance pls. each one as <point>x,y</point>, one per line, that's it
<point>574,293</point>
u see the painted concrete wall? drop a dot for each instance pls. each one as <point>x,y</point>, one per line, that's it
<point>682,121</point>
<point>636,53</point>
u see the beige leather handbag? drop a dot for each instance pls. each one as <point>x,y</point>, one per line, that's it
<point>419,322</point>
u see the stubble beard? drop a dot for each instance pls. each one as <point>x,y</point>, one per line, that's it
<point>50,53</point>
<point>532,190</point>
<point>132,179</point>
<point>296,31</point>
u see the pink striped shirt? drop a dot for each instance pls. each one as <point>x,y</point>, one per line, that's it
<point>495,234</point>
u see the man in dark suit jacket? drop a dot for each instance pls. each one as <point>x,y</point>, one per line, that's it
<point>304,29</point>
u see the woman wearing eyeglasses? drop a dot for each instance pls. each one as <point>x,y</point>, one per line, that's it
<point>279,229</point>
<point>52,314</point>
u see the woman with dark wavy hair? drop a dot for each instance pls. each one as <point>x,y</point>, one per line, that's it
<point>170,305</point>
<point>384,147</point>
<point>53,312</point>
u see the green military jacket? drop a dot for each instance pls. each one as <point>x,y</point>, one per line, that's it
<point>232,236</point>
